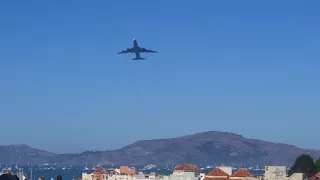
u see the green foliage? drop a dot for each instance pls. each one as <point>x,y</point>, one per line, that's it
<point>317,163</point>
<point>304,164</point>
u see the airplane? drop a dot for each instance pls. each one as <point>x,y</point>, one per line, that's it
<point>137,50</point>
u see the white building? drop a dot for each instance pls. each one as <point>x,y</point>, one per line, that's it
<point>101,174</point>
<point>189,172</point>
<point>280,173</point>
<point>185,172</point>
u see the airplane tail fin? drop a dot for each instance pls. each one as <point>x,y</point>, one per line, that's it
<point>138,58</point>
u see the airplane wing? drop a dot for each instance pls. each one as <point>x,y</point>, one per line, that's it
<point>146,50</point>
<point>129,50</point>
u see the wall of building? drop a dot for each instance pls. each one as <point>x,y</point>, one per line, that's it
<point>275,173</point>
<point>86,176</point>
<point>124,177</point>
<point>244,178</point>
<point>271,173</point>
<point>226,169</point>
<point>183,175</point>
<point>202,176</point>
<point>296,176</point>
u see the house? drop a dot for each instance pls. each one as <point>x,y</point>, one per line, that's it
<point>185,172</point>
<point>217,174</point>
<point>242,174</point>
<point>99,174</point>
<point>125,170</point>
<point>225,173</point>
<point>280,173</point>
<point>124,173</point>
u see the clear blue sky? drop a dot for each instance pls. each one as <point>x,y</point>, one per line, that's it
<point>248,67</point>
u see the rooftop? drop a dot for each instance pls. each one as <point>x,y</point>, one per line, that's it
<point>99,171</point>
<point>242,173</point>
<point>186,167</point>
<point>217,172</point>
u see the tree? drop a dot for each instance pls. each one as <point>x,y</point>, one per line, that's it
<point>304,164</point>
<point>317,163</point>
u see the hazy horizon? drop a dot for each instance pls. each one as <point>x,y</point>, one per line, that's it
<point>48,150</point>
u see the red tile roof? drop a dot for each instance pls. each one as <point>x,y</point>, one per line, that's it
<point>217,172</point>
<point>186,167</point>
<point>216,178</point>
<point>99,171</point>
<point>242,173</point>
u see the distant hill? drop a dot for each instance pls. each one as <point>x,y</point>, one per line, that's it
<point>23,153</point>
<point>205,148</point>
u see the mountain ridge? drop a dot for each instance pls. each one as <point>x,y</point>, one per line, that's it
<point>210,147</point>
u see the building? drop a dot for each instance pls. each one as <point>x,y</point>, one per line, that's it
<point>280,173</point>
<point>190,172</point>
<point>275,172</point>
<point>124,173</point>
<point>99,174</point>
<point>217,174</point>
<point>125,170</point>
<point>151,176</point>
<point>226,169</point>
<point>225,173</point>
<point>185,172</point>
<point>242,174</point>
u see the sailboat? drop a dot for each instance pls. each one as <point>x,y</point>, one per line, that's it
<point>257,168</point>
<point>167,166</point>
<point>93,168</point>
<point>9,168</point>
<point>111,169</point>
<point>86,168</point>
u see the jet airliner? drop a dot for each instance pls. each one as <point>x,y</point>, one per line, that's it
<point>137,50</point>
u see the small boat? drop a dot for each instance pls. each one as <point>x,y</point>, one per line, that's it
<point>86,168</point>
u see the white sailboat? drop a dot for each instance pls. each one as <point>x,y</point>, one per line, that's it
<point>150,166</point>
<point>9,168</point>
<point>112,168</point>
<point>257,168</point>
<point>86,168</point>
